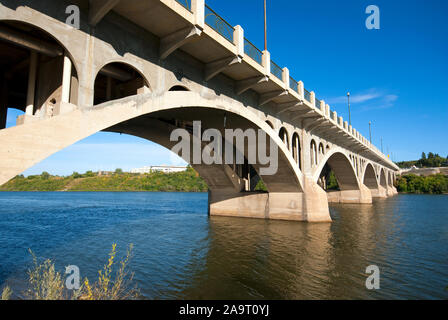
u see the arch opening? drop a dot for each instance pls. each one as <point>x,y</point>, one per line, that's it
<point>313,153</point>
<point>178,88</point>
<point>297,150</point>
<point>339,168</point>
<point>119,80</point>
<point>283,134</point>
<point>370,180</point>
<point>37,73</point>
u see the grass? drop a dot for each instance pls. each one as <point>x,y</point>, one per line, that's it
<point>114,282</point>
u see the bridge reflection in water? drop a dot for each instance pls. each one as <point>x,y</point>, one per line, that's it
<point>267,259</point>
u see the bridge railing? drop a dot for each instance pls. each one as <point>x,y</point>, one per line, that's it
<point>185,3</point>
<point>317,102</point>
<point>217,23</point>
<point>252,51</point>
<point>307,95</point>
<point>276,70</point>
<point>293,84</point>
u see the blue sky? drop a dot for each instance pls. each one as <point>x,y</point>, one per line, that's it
<point>397,76</point>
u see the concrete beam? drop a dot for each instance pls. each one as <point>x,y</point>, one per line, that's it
<point>269,96</point>
<point>99,8</point>
<point>288,106</point>
<point>246,84</point>
<point>314,124</point>
<point>174,41</point>
<point>302,114</point>
<point>28,42</point>
<point>214,68</point>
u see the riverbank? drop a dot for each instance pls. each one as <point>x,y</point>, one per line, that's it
<point>413,184</point>
<point>188,181</point>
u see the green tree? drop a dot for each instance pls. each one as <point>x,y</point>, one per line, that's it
<point>76,175</point>
<point>119,171</point>
<point>423,156</point>
<point>45,175</point>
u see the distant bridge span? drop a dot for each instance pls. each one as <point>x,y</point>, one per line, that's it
<point>170,66</point>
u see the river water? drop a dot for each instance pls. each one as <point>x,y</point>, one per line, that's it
<point>181,253</point>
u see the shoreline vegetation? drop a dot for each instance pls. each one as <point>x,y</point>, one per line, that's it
<point>114,282</point>
<point>118,181</point>
<point>187,181</point>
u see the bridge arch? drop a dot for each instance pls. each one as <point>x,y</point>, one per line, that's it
<point>134,115</point>
<point>369,177</point>
<point>342,167</point>
<point>118,79</point>
<point>32,62</point>
<point>383,178</point>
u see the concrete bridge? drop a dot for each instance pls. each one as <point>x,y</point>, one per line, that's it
<point>145,68</point>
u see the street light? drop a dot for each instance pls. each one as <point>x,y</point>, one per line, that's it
<point>349,113</point>
<point>370,131</point>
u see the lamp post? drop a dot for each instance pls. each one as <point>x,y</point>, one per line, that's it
<point>349,113</point>
<point>370,131</point>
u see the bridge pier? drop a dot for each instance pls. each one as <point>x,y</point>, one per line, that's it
<point>310,205</point>
<point>391,191</point>
<point>362,196</point>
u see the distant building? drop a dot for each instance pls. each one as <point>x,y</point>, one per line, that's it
<point>164,169</point>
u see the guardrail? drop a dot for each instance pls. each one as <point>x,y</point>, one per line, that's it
<point>276,70</point>
<point>185,3</point>
<point>307,95</point>
<point>253,52</point>
<point>293,84</point>
<point>217,23</point>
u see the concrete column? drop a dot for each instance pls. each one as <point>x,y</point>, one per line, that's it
<point>341,121</point>
<point>302,90</point>
<point>327,111</point>
<point>198,9</point>
<point>267,62</point>
<point>285,77</point>
<point>238,40</point>
<point>31,84</point>
<point>322,106</point>
<point>346,125</point>
<point>335,116</point>
<point>66,79</point>
<point>313,99</point>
